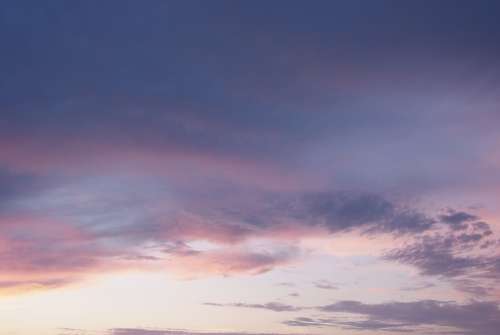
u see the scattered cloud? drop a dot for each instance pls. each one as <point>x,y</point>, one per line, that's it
<point>271,306</point>
<point>325,284</point>
<point>466,318</point>
<point>470,318</point>
<point>457,220</point>
<point>154,331</point>
<point>418,287</point>
<point>467,257</point>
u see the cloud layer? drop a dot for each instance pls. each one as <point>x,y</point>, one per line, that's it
<point>236,139</point>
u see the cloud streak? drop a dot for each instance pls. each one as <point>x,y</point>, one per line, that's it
<point>271,306</point>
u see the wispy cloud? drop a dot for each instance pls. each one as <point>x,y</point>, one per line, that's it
<point>271,306</point>
<point>228,261</point>
<point>156,331</point>
<point>325,284</point>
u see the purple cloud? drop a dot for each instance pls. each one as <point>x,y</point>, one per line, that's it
<point>471,318</point>
<point>271,306</point>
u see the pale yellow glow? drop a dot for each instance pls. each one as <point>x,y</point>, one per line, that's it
<point>158,300</point>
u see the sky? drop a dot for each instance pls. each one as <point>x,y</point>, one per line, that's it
<point>249,167</point>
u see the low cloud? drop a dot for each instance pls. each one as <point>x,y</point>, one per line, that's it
<point>418,287</point>
<point>472,318</point>
<point>156,331</point>
<point>271,306</point>
<point>442,316</point>
<point>325,284</point>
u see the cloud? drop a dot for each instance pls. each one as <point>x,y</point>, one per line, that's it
<point>97,222</point>
<point>250,121</point>
<point>340,211</point>
<point>371,325</point>
<point>190,264</point>
<point>16,185</point>
<point>418,287</point>
<point>271,306</point>
<point>471,318</point>
<point>180,225</point>
<point>286,284</point>
<point>325,284</point>
<point>110,220</point>
<point>468,318</point>
<point>44,253</point>
<point>157,331</point>
<point>43,245</point>
<point>479,317</point>
<point>26,285</point>
<point>467,256</point>
<point>434,259</point>
<point>457,220</point>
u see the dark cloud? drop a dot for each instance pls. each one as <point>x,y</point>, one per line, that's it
<point>457,217</point>
<point>348,210</point>
<point>335,211</point>
<point>445,254</point>
<point>433,259</point>
<point>473,287</point>
<point>458,220</point>
<point>344,211</point>
<point>230,222</point>
<point>215,97</point>
<point>454,255</point>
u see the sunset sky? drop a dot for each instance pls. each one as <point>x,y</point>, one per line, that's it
<point>249,167</point>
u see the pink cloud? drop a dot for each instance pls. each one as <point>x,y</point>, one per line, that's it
<point>191,264</point>
<point>41,253</point>
<point>77,157</point>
